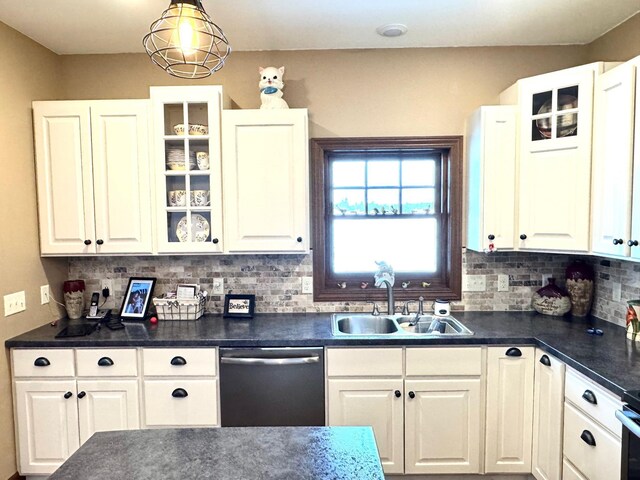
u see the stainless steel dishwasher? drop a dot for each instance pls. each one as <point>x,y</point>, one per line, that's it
<point>272,386</point>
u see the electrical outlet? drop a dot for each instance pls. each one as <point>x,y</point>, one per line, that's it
<point>14,303</point>
<point>44,294</point>
<point>503,283</point>
<point>475,283</point>
<point>218,286</point>
<point>307,284</point>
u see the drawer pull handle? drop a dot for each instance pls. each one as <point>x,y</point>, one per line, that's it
<point>587,437</point>
<point>179,393</point>
<point>178,361</point>
<point>590,397</point>
<point>105,362</point>
<point>68,395</point>
<point>82,394</point>
<point>544,359</point>
<point>513,352</point>
<point>397,393</point>
<point>42,362</point>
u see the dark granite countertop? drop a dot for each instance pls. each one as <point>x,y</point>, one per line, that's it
<point>611,360</point>
<point>229,453</point>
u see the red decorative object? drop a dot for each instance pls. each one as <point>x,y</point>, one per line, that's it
<point>551,299</point>
<point>580,278</point>
<point>73,297</point>
<point>70,286</point>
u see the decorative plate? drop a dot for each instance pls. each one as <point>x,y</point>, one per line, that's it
<point>199,229</point>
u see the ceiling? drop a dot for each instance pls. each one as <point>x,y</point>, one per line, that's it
<point>117,26</point>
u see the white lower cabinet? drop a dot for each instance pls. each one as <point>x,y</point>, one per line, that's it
<point>509,419</point>
<point>547,417</point>
<point>426,418</point>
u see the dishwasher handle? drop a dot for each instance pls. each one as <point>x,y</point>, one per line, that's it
<point>269,361</point>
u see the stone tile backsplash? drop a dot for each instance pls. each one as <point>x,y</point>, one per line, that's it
<point>275,279</point>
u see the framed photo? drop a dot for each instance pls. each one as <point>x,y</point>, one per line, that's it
<point>239,306</point>
<point>137,298</point>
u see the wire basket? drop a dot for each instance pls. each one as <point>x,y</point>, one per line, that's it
<point>173,309</point>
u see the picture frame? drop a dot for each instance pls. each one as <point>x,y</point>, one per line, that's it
<point>238,305</point>
<point>137,298</point>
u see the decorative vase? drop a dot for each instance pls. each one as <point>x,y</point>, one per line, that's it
<point>551,299</point>
<point>633,324</point>
<point>580,287</point>
<point>73,297</point>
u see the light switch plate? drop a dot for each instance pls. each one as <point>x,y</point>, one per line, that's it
<point>474,283</point>
<point>14,303</point>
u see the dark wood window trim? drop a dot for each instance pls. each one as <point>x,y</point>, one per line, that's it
<point>448,285</point>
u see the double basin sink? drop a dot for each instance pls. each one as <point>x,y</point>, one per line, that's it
<point>392,325</point>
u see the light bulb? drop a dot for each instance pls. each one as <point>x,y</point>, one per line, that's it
<point>186,36</point>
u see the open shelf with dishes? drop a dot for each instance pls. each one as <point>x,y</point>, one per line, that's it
<point>188,168</point>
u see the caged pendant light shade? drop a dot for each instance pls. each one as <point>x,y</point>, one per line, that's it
<point>185,42</point>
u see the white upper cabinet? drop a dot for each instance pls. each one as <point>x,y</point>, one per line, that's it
<point>614,188</point>
<point>491,161</point>
<point>188,169</point>
<point>266,185</point>
<point>92,173</point>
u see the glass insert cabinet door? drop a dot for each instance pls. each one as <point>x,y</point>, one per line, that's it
<point>188,168</point>
<point>554,113</point>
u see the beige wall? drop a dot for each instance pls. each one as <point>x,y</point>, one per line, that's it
<point>27,72</point>
<point>621,43</point>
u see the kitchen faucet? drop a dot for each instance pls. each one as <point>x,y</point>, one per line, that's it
<point>384,277</point>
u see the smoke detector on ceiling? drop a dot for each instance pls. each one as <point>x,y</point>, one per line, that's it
<point>392,30</point>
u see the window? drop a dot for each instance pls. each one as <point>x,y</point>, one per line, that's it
<point>396,200</point>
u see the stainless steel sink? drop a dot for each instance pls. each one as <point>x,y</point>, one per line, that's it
<point>394,325</point>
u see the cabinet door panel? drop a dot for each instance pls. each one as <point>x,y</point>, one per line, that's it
<point>64,176</point>
<point>443,426</point>
<point>194,405</point>
<point>120,132</point>
<point>47,424</point>
<point>106,406</point>
<point>371,402</point>
<point>635,209</point>
<point>509,410</point>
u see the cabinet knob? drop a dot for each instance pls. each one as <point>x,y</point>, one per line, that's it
<point>179,393</point>
<point>632,243</point>
<point>68,395</point>
<point>299,239</point>
<point>618,241</point>
<point>215,240</point>
<point>523,237</point>
<point>87,242</point>
<point>590,397</point>
<point>587,437</point>
<point>82,394</point>
<point>544,359</point>
<point>397,393</point>
<point>412,395</point>
<point>491,236</point>
<point>105,362</point>
<point>99,241</point>
<point>178,361</point>
<point>42,362</point>
<point>513,352</point>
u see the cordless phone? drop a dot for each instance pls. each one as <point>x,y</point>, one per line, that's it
<point>93,308</point>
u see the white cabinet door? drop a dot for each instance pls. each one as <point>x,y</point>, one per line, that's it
<point>509,419</point>
<point>443,425</point>
<point>491,152</point>
<point>120,144</point>
<point>635,209</point>
<point>47,424</point>
<point>105,405</point>
<point>555,159</point>
<point>266,184</point>
<point>548,407</point>
<point>377,403</point>
<point>64,177</point>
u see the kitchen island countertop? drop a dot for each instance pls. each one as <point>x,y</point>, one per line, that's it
<point>610,360</point>
<point>230,453</point>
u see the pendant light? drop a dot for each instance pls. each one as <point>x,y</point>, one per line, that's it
<point>185,42</point>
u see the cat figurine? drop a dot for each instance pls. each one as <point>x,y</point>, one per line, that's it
<point>271,86</point>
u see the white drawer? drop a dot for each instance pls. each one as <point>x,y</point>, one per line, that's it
<point>570,472</point>
<point>578,389</point>
<point>435,361</point>
<point>179,361</point>
<point>599,462</point>
<point>353,362</point>
<point>42,362</point>
<point>107,362</point>
<point>181,403</point>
